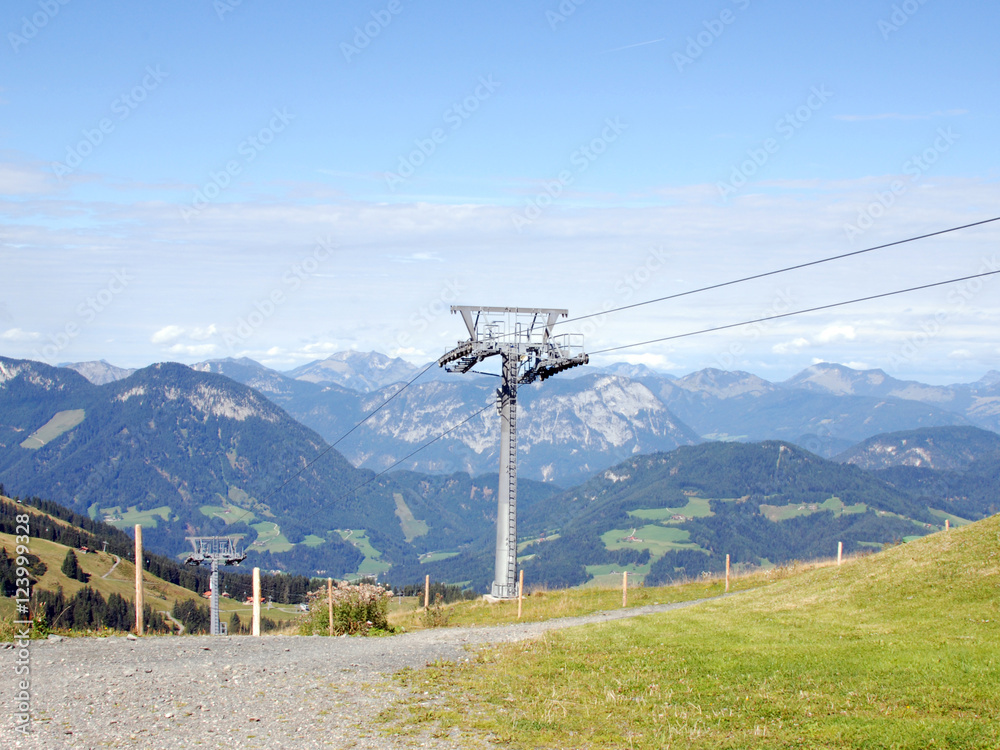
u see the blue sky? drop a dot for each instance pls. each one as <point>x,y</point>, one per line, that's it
<point>192,180</point>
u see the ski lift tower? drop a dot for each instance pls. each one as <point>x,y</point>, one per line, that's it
<point>214,549</point>
<point>528,351</point>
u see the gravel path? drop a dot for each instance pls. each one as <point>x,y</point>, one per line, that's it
<point>112,568</point>
<point>239,692</point>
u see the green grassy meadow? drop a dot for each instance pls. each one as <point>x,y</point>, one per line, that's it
<point>411,526</point>
<point>373,564</point>
<point>697,507</point>
<point>657,539</point>
<point>129,518</point>
<point>833,504</point>
<point>897,649</point>
<point>270,538</point>
<point>438,555</point>
<point>61,423</point>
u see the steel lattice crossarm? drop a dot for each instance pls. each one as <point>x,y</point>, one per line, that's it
<point>523,338</point>
<point>525,332</point>
<point>209,548</point>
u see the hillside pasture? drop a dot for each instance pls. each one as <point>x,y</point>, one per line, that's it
<point>61,423</point>
<point>896,649</point>
<point>657,539</point>
<point>228,513</point>
<point>833,504</point>
<point>411,526</point>
<point>373,564</point>
<point>130,517</point>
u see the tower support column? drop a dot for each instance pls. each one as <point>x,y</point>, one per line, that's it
<point>505,568</point>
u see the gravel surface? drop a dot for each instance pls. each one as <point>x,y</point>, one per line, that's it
<point>239,692</point>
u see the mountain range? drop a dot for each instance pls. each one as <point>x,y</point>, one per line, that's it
<point>227,447</point>
<point>572,427</point>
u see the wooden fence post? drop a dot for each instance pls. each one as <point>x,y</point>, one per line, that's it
<point>329,602</point>
<point>520,593</point>
<point>947,524</point>
<point>840,552</point>
<point>139,601</point>
<point>727,574</point>
<point>427,591</point>
<point>624,588</point>
<point>255,627</point>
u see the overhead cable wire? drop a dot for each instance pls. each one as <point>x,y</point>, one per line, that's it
<point>669,338</point>
<point>780,270</point>
<point>427,444</point>
<point>338,440</point>
<point>795,312</point>
<point>468,419</point>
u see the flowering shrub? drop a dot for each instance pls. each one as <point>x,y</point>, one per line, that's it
<point>357,609</point>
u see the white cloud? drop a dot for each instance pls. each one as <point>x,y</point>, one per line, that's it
<point>961,354</point>
<point>224,262</point>
<point>16,334</point>
<point>836,333</point>
<point>406,351</point>
<point>322,347</point>
<point>858,365</point>
<point>22,179</point>
<point>417,258</point>
<point>200,334</point>
<point>166,335</point>
<point>654,361</point>
<point>790,347</point>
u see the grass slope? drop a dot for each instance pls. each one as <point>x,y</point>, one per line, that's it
<point>62,422</point>
<point>894,650</point>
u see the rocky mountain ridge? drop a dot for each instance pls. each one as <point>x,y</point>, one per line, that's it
<point>574,426</point>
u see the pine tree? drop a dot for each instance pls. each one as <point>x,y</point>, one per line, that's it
<point>71,568</point>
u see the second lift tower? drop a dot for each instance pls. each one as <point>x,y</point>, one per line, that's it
<point>523,338</point>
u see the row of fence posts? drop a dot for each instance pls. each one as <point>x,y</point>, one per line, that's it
<point>255,628</point>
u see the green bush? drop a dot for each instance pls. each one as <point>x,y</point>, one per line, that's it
<point>357,610</point>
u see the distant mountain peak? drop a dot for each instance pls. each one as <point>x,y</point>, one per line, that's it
<point>101,372</point>
<point>841,380</point>
<point>952,448</point>
<point>724,383</point>
<point>990,378</point>
<point>361,371</point>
